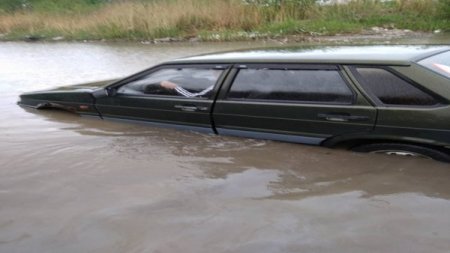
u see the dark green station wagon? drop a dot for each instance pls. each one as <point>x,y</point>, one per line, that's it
<point>381,99</point>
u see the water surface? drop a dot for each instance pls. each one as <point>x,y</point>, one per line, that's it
<point>75,184</point>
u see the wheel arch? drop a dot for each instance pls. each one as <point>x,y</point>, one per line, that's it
<point>55,106</point>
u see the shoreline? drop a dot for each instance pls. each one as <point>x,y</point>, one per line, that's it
<point>369,36</point>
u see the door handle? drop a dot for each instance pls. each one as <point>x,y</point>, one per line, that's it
<point>341,117</point>
<point>191,108</point>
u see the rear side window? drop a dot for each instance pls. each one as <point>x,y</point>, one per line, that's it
<point>291,85</point>
<point>390,89</point>
<point>439,63</point>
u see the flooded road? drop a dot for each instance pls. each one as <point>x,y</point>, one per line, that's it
<point>75,184</point>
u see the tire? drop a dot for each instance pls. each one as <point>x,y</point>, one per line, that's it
<point>404,150</point>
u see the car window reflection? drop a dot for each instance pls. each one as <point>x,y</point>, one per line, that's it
<point>185,82</point>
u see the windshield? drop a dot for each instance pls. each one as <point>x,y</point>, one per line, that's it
<point>439,63</point>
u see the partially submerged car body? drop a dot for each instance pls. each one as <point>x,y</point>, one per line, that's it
<point>370,98</point>
<point>78,98</point>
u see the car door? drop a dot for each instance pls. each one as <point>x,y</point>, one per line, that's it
<point>175,95</point>
<point>291,102</point>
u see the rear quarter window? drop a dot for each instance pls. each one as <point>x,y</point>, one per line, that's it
<point>439,63</point>
<point>390,89</point>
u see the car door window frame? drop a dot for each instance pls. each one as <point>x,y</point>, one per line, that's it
<point>112,89</point>
<point>285,66</point>
<point>377,102</point>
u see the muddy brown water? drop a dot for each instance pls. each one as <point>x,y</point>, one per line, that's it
<point>75,184</point>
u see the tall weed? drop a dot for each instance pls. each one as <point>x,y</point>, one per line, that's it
<point>148,19</point>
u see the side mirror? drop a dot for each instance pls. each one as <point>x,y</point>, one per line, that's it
<point>111,92</point>
<point>101,93</point>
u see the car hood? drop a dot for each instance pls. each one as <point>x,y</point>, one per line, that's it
<point>84,87</point>
<point>75,98</point>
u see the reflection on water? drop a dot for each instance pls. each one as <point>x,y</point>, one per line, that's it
<point>78,184</point>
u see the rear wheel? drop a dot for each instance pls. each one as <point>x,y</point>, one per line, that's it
<point>404,150</point>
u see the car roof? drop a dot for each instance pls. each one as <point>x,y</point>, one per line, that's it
<point>391,55</point>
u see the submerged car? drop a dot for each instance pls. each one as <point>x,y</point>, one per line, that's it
<point>381,99</point>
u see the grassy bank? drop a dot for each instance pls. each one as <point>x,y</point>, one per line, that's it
<point>210,19</point>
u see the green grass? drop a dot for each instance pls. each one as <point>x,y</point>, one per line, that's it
<point>50,6</point>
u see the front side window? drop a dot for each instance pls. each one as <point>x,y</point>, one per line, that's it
<point>391,89</point>
<point>183,82</point>
<point>291,85</point>
<point>439,63</point>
